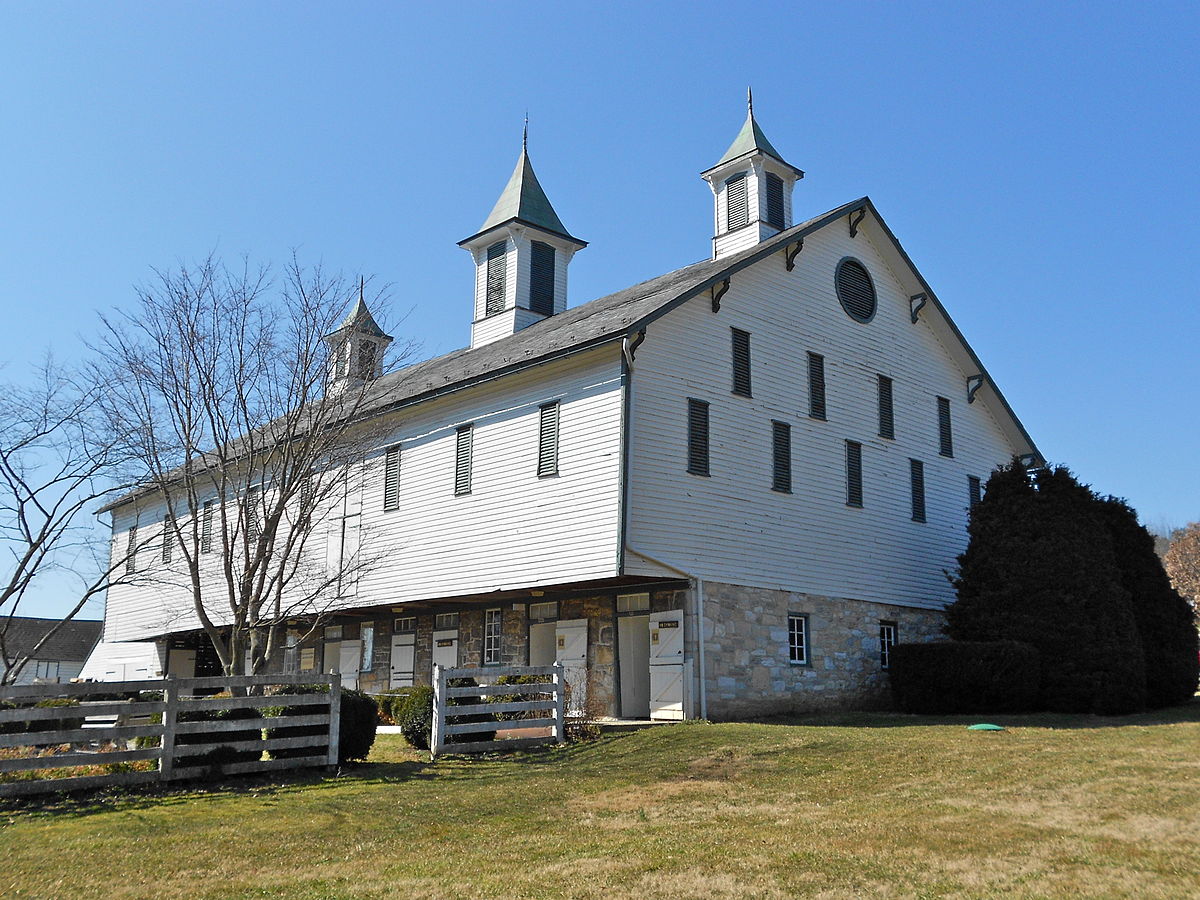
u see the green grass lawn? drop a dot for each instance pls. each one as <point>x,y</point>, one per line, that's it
<point>859,804</point>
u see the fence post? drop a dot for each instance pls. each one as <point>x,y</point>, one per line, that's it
<point>437,738</point>
<point>560,703</point>
<point>335,717</point>
<point>166,758</point>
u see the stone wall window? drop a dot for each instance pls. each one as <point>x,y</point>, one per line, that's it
<point>887,640</point>
<point>798,639</point>
<point>491,637</point>
<point>366,631</point>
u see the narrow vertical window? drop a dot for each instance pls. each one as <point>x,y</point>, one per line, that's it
<point>541,278</point>
<point>741,361</point>
<point>697,437</point>
<point>854,481</point>
<point>462,460</point>
<point>736,207</point>
<point>491,637</point>
<point>887,640</point>
<point>497,271</point>
<point>887,415</point>
<point>916,475</point>
<point>391,478</point>
<point>206,526</point>
<point>816,386</point>
<point>131,551</point>
<point>168,539</point>
<point>945,435</point>
<point>548,440</point>
<point>366,632</point>
<point>798,639</point>
<point>781,457</point>
<point>774,200</point>
<point>974,491</point>
<point>253,500</point>
<point>291,652</point>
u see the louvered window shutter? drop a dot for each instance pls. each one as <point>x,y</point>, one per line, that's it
<point>497,271</point>
<point>697,437</point>
<point>854,481</point>
<point>855,290</point>
<point>945,436</point>
<point>887,415</point>
<point>462,460</point>
<point>816,386</point>
<point>391,478</point>
<point>168,539</point>
<point>916,470</point>
<point>131,551</point>
<point>741,362</point>
<point>775,201</point>
<point>206,524</point>
<point>253,495</point>
<point>548,440</point>
<point>736,208</point>
<point>974,491</point>
<point>541,278</point>
<point>781,457</point>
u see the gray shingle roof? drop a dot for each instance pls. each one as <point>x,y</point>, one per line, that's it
<point>74,640</point>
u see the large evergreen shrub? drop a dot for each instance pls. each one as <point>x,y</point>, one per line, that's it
<point>1039,569</point>
<point>1164,618</point>
<point>942,677</point>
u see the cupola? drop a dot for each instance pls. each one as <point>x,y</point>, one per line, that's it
<point>356,347</point>
<point>752,189</point>
<point>521,255</point>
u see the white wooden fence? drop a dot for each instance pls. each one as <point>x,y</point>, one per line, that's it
<point>110,729</point>
<point>547,698</point>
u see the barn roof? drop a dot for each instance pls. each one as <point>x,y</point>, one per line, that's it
<point>73,641</point>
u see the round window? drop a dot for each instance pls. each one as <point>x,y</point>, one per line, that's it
<point>855,290</point>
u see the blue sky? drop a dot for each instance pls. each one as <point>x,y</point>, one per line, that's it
<point>1038,161</point>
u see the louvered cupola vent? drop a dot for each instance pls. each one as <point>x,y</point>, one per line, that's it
<point>855,290</point>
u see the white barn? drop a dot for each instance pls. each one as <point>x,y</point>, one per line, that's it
<point>721,492</point>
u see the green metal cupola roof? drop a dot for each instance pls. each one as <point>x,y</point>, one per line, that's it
<point>360,320</point>
<point>751,140</point>
<point>523,200</point>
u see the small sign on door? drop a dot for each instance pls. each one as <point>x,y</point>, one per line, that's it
<point>446,642</point>
<point>562,642</point>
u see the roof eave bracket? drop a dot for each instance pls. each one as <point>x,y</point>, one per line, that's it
<point>856,218</point>
<point>792,252</point>
<point>717,292</point>
<point>916,303</point>
<point>974,383</point>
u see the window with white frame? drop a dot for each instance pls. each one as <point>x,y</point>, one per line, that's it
<point>366,632</point>
<point>491,637</point>
<point>798,639</point>
<point>633,602</point>
<point>887,640</point>
<point>445,621</point>
<point>405,623</point>
<point>291,652</point>
<point>541,612</point>
<point>45,668</point>
<point>333,632</point>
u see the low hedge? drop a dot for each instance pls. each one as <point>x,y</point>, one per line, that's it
<point>212,746</point>
<point>67,723</point>
<point>943,677</point>
<point>413,712</point>
<point>359,718</point>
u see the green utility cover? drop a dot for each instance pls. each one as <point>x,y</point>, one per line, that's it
<point>983,726</point>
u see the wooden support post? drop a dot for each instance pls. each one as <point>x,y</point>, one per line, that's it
<point>560,704</point>
<point>438,737</point>
<point>166,759</point>
<point>335,717</point>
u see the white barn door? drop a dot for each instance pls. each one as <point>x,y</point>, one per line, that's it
<point>666,665</point>
<point>445,648</point>
<point>570,643</point>
<point>404,655</point>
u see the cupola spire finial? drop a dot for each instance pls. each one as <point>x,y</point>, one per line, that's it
<point>525,134</point>
<point>749,100</point>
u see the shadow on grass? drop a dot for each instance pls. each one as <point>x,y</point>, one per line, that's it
<point>1174,715</point>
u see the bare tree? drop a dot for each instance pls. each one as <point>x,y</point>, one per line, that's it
<point>55,463</point>
<point>245,414</point>
<point>1182,562</point>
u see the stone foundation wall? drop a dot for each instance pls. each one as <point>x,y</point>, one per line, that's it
<point>746,651</point>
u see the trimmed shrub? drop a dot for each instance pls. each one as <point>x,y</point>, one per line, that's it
<point>359,718</point>
<point>21,727</point>
<point>512,698</point>
<point>390,703</point>
<point>413,712</point>
<point>965,677</point>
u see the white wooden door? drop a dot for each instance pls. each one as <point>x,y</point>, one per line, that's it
<point>404,654</point>
<point>633,638</point>
<point>541,644</point>
<point>570,651</point>
<point>666,665</point>
<point>181,663</point>
<point>349,655</point>
<point>445,648</point>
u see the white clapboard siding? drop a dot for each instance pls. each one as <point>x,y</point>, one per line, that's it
<point>513,530</point>
<point>731,526</point>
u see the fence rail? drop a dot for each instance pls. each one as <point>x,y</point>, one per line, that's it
<point>451,716</point>
<point>100,734</point>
